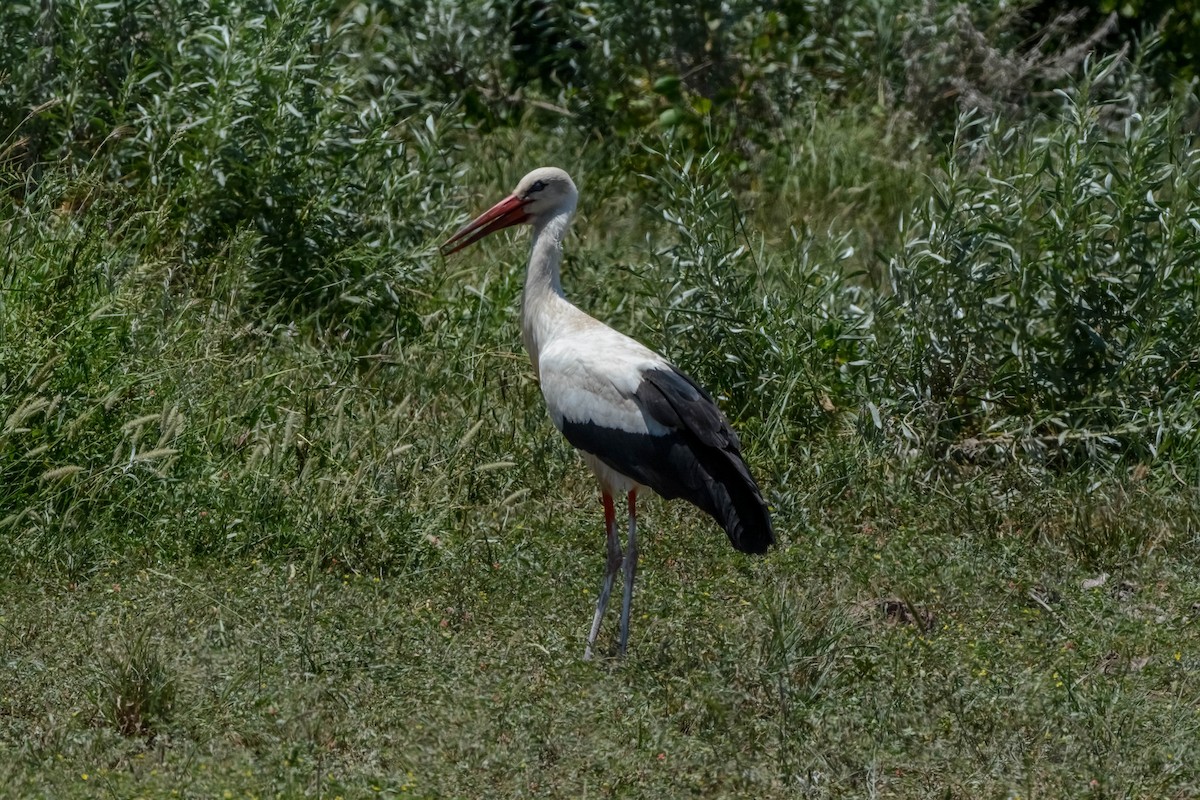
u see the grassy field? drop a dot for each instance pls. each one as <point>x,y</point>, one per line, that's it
<point>897,652</point>
<point>281,510</point>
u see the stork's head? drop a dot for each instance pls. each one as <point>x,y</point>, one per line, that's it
<point>541,194</point>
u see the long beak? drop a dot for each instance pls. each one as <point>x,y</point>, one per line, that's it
<point>509,211</point>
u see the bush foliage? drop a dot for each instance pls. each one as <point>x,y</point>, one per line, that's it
<point>220,290</point>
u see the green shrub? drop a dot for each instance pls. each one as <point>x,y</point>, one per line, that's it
<point>1045,296</point>
<point>224,329</point>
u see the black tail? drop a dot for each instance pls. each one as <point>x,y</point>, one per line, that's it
<point>729,493</point>
<point>707,458</point>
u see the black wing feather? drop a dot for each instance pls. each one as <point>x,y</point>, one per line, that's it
<point>699,459</point>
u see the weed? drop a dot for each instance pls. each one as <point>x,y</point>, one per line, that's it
<point>134,691</point>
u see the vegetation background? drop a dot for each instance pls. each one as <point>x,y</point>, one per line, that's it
<point>281,513</point>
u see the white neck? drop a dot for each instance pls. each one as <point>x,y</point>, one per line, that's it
<point>543,302</point>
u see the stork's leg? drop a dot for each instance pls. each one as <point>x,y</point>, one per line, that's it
<point>614,564</point>
<point>631,555</point>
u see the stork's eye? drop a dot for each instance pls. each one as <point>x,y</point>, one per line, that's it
<point>537,186</point>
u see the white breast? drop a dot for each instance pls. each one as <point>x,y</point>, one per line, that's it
<point>592,374</point>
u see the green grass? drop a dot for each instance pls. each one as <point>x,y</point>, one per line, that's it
<point>1028,674</point>
<point>281,511</point>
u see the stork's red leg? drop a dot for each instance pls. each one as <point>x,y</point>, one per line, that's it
<point>610,574</point>
<point>631,556</point>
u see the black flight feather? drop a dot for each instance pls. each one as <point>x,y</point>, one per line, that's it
<point>699,459</point>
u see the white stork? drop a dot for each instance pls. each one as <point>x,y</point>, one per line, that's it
<point>637,420</point>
